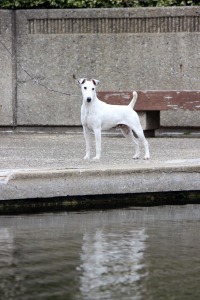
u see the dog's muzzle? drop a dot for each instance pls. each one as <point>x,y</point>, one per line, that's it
<point>89,100</point>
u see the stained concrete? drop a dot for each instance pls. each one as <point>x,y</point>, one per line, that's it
<point>125,48</point>
<point>43,165</point>
<point>7,69</point>
<point>180,118</point>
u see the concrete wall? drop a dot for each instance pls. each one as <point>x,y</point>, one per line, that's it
<point>7,70</point>
<point>142,49</point>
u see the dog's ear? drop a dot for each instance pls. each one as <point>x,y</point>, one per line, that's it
<point>95,81</point>
<point>81,80</point>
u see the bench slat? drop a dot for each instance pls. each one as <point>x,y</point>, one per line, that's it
<point>155,100</point>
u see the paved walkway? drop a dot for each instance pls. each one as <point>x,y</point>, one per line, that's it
<point>43,165</point>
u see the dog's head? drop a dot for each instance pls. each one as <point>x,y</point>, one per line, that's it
<point>88,88</point>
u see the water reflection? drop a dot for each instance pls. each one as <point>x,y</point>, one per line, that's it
<point>6,247</point>
<point>148,253</point>
<point>111,262</point>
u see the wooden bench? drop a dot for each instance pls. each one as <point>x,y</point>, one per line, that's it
<point>155,100</point>
<point>160,108</point>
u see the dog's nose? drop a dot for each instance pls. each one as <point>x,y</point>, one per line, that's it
<point>89,99</point>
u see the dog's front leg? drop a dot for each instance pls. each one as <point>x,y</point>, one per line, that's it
<point>97,133</point>
<point>87,141</point>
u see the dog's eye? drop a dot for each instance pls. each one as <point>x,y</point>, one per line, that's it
<point>85,87</point>
<point>93,89</point>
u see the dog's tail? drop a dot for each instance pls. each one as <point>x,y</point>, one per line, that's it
<point>132,103</point>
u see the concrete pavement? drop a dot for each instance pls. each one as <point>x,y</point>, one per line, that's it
<point>45,165</point>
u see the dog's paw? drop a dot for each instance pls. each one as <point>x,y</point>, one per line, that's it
<point>136,156</point>
<point>86,156</point>
<point>96,158</point>
<point>146,157</point>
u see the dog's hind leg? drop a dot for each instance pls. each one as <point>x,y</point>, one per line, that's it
<point>128,133</point>
<point>140,134</point>
<point>146,147</point>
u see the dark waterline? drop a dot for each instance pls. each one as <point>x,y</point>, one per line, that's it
<point>89,202</point>
<point>144,253</point>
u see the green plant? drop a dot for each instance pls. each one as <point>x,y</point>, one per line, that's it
<point>17,4</point>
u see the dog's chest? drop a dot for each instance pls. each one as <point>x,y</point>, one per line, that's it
<point>88,117</point>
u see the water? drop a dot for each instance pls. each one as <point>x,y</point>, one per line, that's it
<point>144,253</point>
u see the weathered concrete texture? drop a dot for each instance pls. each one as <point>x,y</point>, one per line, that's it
<point>178,132</point>
<point>50,58</point>
<point>182,118</point>
<point>43,165</point>
<point>24,184</point>
<point>7,72</point>
<point>125,49</point>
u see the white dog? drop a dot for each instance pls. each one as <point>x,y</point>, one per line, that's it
<point>98,116</point>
